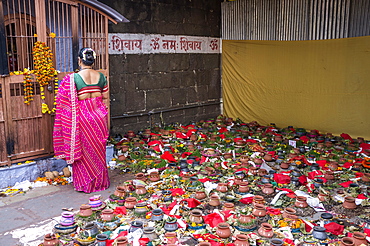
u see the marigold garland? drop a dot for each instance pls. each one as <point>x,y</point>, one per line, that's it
<point>43,63</point>
<point>28,86</point>
<point>45,73</point>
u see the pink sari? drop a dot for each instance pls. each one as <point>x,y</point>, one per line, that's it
<point>80,135</point>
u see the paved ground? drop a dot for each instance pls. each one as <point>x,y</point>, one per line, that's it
<point>26,218</point>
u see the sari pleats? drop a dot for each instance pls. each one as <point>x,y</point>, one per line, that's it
<point>80,135</point>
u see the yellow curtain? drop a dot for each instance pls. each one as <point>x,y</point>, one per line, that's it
<point>321,84</point>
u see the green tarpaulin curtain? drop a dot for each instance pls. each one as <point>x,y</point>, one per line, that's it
<point>318,84</point>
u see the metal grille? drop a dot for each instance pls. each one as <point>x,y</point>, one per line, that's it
<point>93,32</point>
<point>17,89</point>
<point>20,28</point>
<point>56,15</point>
<point>294,19</point>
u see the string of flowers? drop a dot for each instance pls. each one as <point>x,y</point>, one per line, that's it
<point>28,86</point>
<point>44,71</point>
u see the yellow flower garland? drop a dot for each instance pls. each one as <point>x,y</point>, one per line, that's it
<point>44,72</point>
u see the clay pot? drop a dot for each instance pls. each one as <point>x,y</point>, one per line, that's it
<point>333,165</point>
<point>122,157</point>
<point>131,134</point>
<point>244,159</point>
<point>130,202</point>
<point>301,202</point>
<point>329,175</point>
<point>141,176</point>
<point>262,172</point>
<point>253,170</point>
<point>268,189</point>
<point>136,225</point>
<point>203,244</point>
<point>67,218</point>
<point>101,239</point>
<point>284,165</point>
<point>278,138</point>
<point>359,238</point>
<point>276,242</point>
<point>141,208</point>
<point>140,190</point>
<point>196,216</point>
<point>243,187</point>
<point>223,230</point>
<point>347,241</point>
<point>214,200</point>
<point>322,197</point>
<point>95,201</point>
<point>222,187</point>
<point>259,210</point>
<point>154,176</point>
<point>171,226</point>
<point>120,191</point>
<point>107,215</point>
<point>319,233</point>
<point>85,210</point>
<point>149,232</point>
<point>200,195</point>
<point>266,230</point>
<point>349,202</point>
<point>245,218</point>
<point>241,240</point>
<point>171,237</point>
<point>50,240</point>
<point>366,177</point>
<point>289,213</point>
<point>157,214</point>
<point>258,199</point>
<point>229,206</point>
<point>124,148</point>
<point>121,241</point>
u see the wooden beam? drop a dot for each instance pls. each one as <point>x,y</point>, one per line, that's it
<point>40,21</point>
<point>4,70</point>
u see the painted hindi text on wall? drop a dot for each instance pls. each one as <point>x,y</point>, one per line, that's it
<point>128,43</point>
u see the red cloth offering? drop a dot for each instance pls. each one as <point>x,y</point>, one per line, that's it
<point>120,210</point>
<point>346,184</point>
<point>143,241</point>
<point>361,196</point>
<point>274,211</point>
<point>303,180</point>
<point>213,219</point>
<point>168,156</point>
<point>192,202</point>
<point>281,178</point>
<point>246,200</point>
<point>367,231</point>
<point>347,165</point>
<point>334,228</point>
<point>313,174</point>
<point>177,192</point>
<point>346,136</point>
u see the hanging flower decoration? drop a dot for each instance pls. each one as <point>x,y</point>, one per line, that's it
<point>43,62</point>
<point>28,86</point>
<point>45,71</point>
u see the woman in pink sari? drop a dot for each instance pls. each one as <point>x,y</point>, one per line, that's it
<point>81,125</point>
